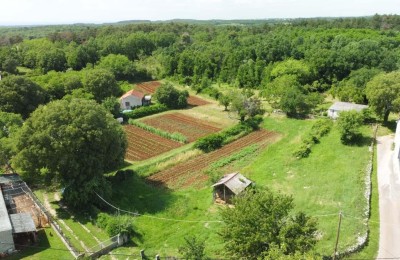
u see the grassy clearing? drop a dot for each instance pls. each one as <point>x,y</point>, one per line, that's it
<point>49,247</point>
<point>328,181</point>
<point>371,250</point>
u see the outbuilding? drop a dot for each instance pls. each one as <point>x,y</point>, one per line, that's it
<point>337,107</point>
<point>6,234</point>
<point>229,186</point>
<point>133,98</point>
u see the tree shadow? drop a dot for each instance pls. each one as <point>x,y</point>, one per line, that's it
<point>27,250</point>
<point>391,125</point>
<point>359,141</point>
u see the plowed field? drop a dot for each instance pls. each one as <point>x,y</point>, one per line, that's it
<point>148,87</point>
<point>188,126</point>
<point>143,144</point>
<point>151,87</point>
<point>189,172</point>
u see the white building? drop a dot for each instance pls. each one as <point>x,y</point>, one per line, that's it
<point>396,153</point>
<point>337,107</point>
<point>133,98</point>
<point>6,234</point>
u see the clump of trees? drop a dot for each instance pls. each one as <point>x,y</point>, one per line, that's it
<point>261,223</point>
<point>349,124</point>
<point>169,96</point>
<point>71,143</point>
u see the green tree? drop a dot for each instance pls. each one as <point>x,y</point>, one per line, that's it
<point>261,222</point>
<point>53,59</point>
<point>118,64</point>
<point>171,97</point>
<point>383,93</point>
<point>224,100</point>
<point>20,95</point>
<point>101,83</point>
<point>73,142</point>
<point>244,105</point>
<point>349,124</point>
<point>9,125</point>
<point>193,249</point>
<point>112,105</point>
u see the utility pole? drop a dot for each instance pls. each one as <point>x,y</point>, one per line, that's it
<point>337,235</point>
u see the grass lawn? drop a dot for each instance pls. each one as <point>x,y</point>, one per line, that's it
<point>49,247</point>
<point>330,180</point>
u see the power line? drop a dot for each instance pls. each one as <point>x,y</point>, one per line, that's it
<point>154,217</point>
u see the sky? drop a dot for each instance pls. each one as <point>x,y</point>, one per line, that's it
<point>37,12</point>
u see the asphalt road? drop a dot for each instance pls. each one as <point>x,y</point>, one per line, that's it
<point>389,201</point>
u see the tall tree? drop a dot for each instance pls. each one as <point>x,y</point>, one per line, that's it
<point>101,83</point>
<point>383,93</point>
<point>20,95</point>
<point>76,141</point>
<point>261,221</point>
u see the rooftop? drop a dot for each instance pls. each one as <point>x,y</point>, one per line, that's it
<point>5,224</point>
<point>22,223</point>
<point>133,93</point>
<point>236,182</point>
<point>345,106</point>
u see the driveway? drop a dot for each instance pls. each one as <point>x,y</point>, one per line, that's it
<point>389,200</point>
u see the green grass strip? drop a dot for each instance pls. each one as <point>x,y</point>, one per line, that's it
<point>172,136</point>
<point>236,156</point>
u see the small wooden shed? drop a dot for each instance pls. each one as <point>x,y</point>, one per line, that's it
<point>229,186</point>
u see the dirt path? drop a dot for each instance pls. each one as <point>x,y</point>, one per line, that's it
<point>389,201</point>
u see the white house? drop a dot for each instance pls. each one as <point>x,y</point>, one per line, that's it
<point>337,107</point>
<point>133,98</point>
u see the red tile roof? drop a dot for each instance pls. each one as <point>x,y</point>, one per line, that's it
<point>133,93</point>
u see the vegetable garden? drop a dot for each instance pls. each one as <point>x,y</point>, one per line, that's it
<point>143,144</point>
<point>188,126</point>
<point>189,172</point>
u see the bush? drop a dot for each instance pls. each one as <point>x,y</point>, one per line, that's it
<point>146,111</point>
<point>349,124</point>
<point>169,96</point>
<point>319,129</point>
<point>114,225</point>
<point>210,142</point>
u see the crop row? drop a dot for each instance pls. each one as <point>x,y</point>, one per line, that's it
<point>187,169</point>
<point>188,126</point>
<point>143,145</point>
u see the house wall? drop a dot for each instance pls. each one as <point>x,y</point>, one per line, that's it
<point>333,113</point>
<point>133,102</point>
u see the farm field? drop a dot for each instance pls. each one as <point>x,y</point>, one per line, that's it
<point>143,144</point>
<point>190,172</point>
<point>188,126</point>
<point>187,195</point>
<point>151,87</point>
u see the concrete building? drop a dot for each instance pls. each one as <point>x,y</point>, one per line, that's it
<point>337,107</point>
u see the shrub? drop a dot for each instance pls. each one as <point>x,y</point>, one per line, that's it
<point>171,97</point>
<point>320,128</point>
<point>146,111</point>
<point>210,142</point>
<point>114,225</point>
<point>349,124</point>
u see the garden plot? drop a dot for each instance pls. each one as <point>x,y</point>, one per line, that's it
<point>190,127</point>
<point>143,144</point>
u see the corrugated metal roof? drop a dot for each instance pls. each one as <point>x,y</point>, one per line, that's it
<point>5,224</point>
<point>346,106</point>
<point>236,182</point>
<point>22,223</point>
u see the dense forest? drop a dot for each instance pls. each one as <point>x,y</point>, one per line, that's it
<point>311,55</point>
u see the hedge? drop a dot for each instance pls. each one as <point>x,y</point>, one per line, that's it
<point>146,111</point>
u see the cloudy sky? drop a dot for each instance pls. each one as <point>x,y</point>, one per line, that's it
<point>22,12</point>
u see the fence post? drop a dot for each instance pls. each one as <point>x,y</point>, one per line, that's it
<point>157,257</point>
<point>142,254</point>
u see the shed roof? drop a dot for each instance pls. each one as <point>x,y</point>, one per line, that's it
<point>5,224</point>
<point>133,93</point>
<point>346,106</point>
<point>9,178</point>
<point>22,223</point>
<point>236,182</point>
